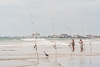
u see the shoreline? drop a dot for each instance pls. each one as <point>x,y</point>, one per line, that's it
<point>26,56</point>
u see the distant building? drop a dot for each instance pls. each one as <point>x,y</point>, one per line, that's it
<point>43,37</point>
<point>57,36</point>
<point>51,36</point>
<point>77,36</point>
<point>36,35</point>
<point>88,36</point>
<point>63,35</point>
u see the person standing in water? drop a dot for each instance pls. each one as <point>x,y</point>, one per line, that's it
<point>81,45</point>
<point>73,44</point>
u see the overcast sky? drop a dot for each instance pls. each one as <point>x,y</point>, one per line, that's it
<point>15,19</point>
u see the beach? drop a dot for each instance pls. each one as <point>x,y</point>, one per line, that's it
<point>21,53</point>
<point>49,33</point>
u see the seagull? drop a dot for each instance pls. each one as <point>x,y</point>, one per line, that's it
<point>46,54</point>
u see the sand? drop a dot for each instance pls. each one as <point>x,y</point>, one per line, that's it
<point>11,56</point>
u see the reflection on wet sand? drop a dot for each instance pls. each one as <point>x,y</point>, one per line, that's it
<point>82,61</point>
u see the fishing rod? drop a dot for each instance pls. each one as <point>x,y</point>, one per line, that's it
<point>90,44</point>
<point>83,37</point>
<point>34,35</point>
<point>69,37</point>
<point>90,40</point>
<point>68,30</point>
<point>83,45</point>
<point>54,39</point>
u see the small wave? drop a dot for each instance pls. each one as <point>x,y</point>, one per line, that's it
<point>40,41</point>
<point>32,39</point>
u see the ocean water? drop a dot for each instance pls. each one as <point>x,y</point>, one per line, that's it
<point>61,44</point>
<point>43,41</point>
<point>25,50</point>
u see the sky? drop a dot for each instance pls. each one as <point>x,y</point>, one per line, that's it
<point>68,17</point>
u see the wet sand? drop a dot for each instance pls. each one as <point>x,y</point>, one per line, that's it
<point>11,56</point>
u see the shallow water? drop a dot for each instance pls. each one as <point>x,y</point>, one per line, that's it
<point>79,61</point>
<point>20,53</point>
